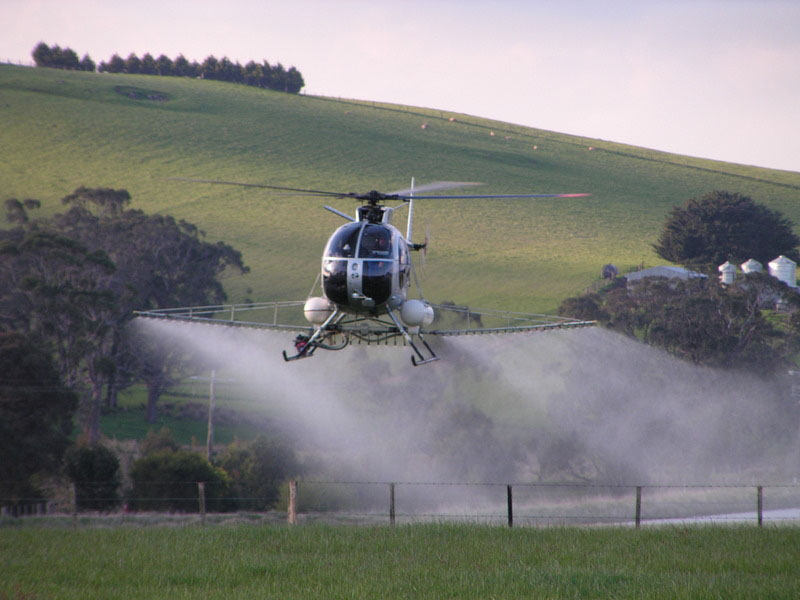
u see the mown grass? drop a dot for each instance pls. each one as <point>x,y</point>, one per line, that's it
<point>64,129</point>
<point>417,561</point>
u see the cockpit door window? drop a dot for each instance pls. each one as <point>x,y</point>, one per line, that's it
<point>376,242</point>
<point>343,243</point>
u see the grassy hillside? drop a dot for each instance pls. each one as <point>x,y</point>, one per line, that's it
<point>66,129</point>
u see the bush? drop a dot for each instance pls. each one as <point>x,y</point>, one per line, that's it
<point>95,472</point>
<point>156,441</point>
<point>167,480</point>
<point>257,469</point>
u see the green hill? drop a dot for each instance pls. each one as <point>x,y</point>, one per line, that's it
<point>66,129</point>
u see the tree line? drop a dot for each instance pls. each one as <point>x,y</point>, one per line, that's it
<point>263,75</point>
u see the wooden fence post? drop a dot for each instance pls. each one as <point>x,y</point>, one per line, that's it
<point>292,509</point>
<point>760,504</point>
<point>638,506</point>
<point>391,504</point>
<point>212,405</point>
<point>510,501</point>
<point>201,498</point>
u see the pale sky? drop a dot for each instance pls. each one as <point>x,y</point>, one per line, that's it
<point>709,78</point>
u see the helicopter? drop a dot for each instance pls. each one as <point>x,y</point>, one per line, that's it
<point>366,276</point>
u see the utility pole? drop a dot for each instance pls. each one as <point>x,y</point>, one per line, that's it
<point>212,402</point>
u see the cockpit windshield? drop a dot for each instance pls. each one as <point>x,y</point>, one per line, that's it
<point>376,242</point>
<point>343,243</point>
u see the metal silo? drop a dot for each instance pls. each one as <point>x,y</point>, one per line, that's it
<point>784,269</point>
<point>752,266</point>
<point>727,272</point>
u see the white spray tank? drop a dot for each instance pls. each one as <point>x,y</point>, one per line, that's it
<point>727,272</point>
<point>784,269</point>
<point>317,310</point>
<point>752,266</point>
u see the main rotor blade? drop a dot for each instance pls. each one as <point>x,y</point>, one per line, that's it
<point>434,185</point>
<point>489,196</point>
<point>268,187</point>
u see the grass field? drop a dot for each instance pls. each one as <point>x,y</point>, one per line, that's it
<point>417,561</point>
<point>66,129</point>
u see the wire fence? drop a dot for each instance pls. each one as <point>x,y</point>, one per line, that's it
<point>506,504</point>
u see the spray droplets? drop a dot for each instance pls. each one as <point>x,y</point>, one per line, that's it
<point>517,408</point>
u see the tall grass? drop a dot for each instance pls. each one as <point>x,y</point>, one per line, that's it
<point>420,561</point>
<point>65,129</point>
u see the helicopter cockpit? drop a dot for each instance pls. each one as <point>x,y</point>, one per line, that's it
<point>359,263</point>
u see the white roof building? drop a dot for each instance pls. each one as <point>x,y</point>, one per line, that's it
<point>664,271</point>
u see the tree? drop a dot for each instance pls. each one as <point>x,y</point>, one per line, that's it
<point>209,67</point>
<point>148,65</point>
<point>294,81</point>
<point>94,470</point>
<point>53,287</point>
<point>60,58</point>
<point>41,55</point>
<point>36,412</point>
<point>116,64</point>
<point>164,65</point>
<point>720,226</point>
<point>87,64</point>
<point>133,64</point>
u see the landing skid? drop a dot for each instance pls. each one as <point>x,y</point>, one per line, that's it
<point>333,326</point>
<point>402,330</point>
<point>422,361</point>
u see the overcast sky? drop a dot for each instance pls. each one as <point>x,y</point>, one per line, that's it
<point>710,78</point>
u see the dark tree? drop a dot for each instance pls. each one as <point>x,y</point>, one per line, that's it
<point>59,58</point>
<point>230,71</point>
<point>42,55</point>
<point>95,472</point>
<point>587,308</point>
<point>164,66</point>
<point>294,81</point>
<point>87,64</point>
<point>148,65</point>
<point>209,68</point>
<point>252,73</point>
<point>36,412</point>
<point>182,68</point>
<point>116,64</point>
<point>133,64</point>
<point>720,226</point>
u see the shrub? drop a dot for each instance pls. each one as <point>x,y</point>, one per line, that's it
<point>257,469</point>
<point>95,472</point>
<point>167,480</point>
